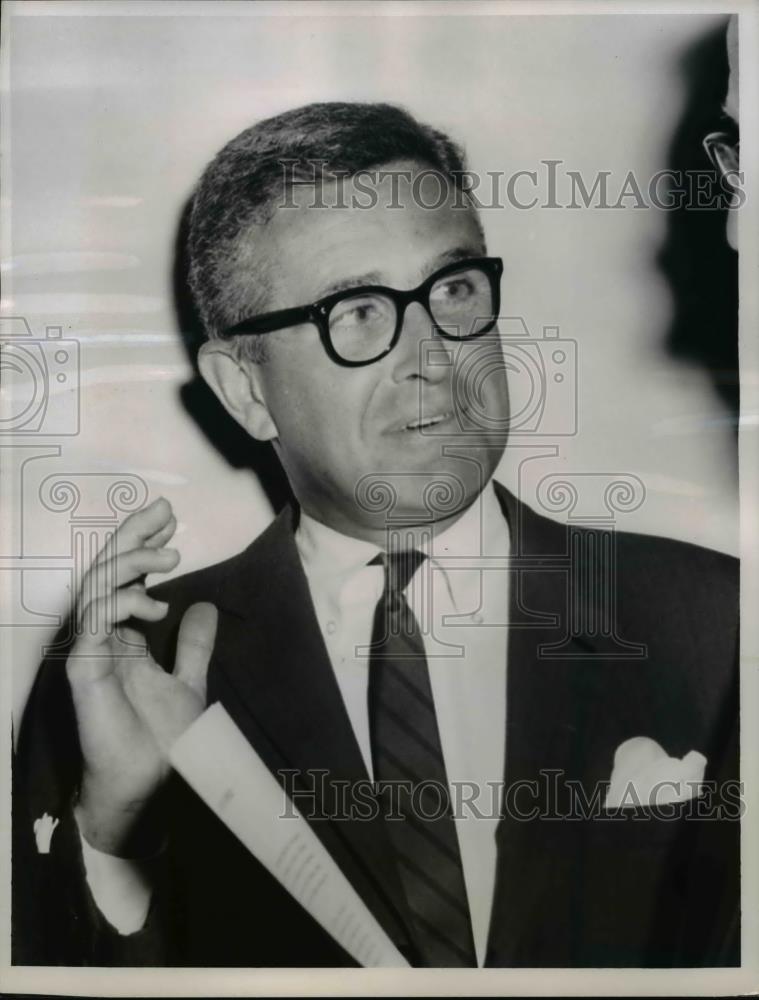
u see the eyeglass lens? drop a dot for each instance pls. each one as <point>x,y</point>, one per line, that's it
<point>362,326</point>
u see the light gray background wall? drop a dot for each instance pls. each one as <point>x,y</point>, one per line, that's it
<point>112,120</point>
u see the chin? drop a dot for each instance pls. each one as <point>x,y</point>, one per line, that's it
<point>415,497</point>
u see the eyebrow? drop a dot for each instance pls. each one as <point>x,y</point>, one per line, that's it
<point>355,281</point>
<point>375,278</point>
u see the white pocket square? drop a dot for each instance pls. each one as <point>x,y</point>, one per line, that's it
<point>643,774</point>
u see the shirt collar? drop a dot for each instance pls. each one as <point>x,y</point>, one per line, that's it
<point>329,554</point>
<point>481,530</point>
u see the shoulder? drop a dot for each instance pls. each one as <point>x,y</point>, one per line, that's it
<point>229,585</point>
<point>691,585</point>
<point>660,585</point>
<point>657,555</point>
<point>209,581</point>
<point>679,599</point>
<point>685,596</point>
<point>641,560</point>
<point>698,584</point>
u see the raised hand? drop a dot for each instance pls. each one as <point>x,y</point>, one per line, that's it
<point>129,710</point>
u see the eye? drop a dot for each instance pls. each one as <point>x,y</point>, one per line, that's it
<point>454,289</point>
<point>361,311</point>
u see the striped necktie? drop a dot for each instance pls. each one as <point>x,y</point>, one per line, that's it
<point>406,749</point>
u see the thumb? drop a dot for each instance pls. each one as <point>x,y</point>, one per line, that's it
<point>197,634</point>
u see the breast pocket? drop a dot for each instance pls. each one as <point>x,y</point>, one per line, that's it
<point>641,825</point>
<point>600,892</point>
<point>638,885</point>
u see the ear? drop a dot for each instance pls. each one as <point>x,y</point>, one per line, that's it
<point>239,387</point>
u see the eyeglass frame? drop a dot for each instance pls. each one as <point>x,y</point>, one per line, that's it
<point>730,139</point>
<point>318,312</point>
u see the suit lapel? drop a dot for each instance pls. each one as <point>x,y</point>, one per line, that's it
<point>574,695</point>
<point>545,696</point>
<point>272,672</point>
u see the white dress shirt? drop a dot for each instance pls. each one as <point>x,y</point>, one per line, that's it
<point>459,595</point>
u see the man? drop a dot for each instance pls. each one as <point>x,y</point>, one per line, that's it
<point>407,622</point>
<point>722,147</point>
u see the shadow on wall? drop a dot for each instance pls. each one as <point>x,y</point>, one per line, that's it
<point>696,259</point>
<point>239,449</point>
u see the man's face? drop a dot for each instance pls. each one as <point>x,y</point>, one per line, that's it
<point>333,426</point>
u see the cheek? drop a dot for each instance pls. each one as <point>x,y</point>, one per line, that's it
<point>318,406</point>
<point>480,376</point>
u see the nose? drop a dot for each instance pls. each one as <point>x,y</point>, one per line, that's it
<point>420,352</point>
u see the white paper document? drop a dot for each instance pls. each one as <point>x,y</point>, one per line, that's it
<point>217,761</point>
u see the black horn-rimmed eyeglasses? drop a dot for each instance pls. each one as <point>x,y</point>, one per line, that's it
<point>360,325</point>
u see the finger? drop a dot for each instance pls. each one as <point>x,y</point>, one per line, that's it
<point>137,528</point>
<point>121,570</point>
<point>95,652</point>
<point>100,616</point>
<point>163,535</point>
<point>197,634</point>
<point>131,643</point>
<point>131,653</point>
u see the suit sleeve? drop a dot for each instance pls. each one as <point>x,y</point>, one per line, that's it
<point>55,918</point>
<point>121,887</point>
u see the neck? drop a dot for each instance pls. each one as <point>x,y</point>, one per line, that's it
<point>398,534</point>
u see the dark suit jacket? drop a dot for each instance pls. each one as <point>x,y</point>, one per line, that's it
<point>570,891</point>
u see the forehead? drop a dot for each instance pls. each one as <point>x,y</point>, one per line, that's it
<point>388,223</point>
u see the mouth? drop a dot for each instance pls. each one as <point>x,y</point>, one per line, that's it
<point>423,423</point>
